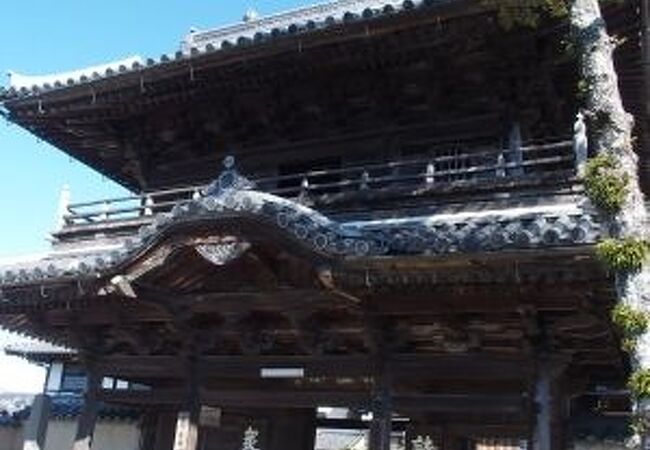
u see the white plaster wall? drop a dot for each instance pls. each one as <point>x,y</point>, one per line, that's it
<point>59,434</point>
<point>109,435</point>
<point>11,438</point>
<point>117,436</point>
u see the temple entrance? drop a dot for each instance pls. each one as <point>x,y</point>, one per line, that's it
<point>334,429</point>
<point>280,429</point>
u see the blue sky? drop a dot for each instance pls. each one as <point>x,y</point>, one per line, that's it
<point>40,37</point>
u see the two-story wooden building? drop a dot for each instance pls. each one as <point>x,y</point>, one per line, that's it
<point>363,204</point>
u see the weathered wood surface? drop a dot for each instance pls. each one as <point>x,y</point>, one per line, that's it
<point>433,403</point>
<point>451,321</point>
<point>384,71</point>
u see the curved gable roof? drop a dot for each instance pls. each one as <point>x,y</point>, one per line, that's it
<point>232,197</point>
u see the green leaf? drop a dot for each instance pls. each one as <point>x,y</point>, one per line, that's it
<point>604,184</point>
<point>639,383</point>
<point>623,255</point>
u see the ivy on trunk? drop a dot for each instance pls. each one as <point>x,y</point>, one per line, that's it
<point>626,250</point>
<point>611,180</point>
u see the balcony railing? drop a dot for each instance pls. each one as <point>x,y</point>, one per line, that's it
<point>464,167</point>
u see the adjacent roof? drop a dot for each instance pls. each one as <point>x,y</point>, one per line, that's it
<point>37,350</point>
<point>15,408</point>
<point>12,405</point>
<point>252,30</point>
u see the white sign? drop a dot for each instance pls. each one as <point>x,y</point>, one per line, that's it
<point>269,372</point>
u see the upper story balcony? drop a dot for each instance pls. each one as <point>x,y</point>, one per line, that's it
<point>447,174</point>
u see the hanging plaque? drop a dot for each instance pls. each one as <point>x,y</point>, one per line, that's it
<point>210,417</point>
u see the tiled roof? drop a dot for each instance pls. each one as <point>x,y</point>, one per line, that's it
<point>254,31</point>
<point>18,81</point>
<point>14,409</point>
<point>32,348</point>
<point>73,263</point>
<point>302,19</point>
<point>558,224</point>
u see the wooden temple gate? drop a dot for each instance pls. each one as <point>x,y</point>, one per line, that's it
<point>246,311</point>
<point>410,240</point>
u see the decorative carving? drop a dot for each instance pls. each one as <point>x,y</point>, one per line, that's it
<point>222,253</point>
<point>229,179</point>
<point>153,261</point>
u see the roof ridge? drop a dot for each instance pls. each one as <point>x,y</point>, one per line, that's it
<point>282,19</point>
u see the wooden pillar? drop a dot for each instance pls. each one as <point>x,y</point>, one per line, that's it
<point>88,416</point>
<point>149,429</point>
<point>514,144</point>
<point>381,425</point>
<point>164,439</point>
<point>35,428</point>
<point>542,431</point>
<point>548,431</point>
<point>450,441</point>
<point>186,436</point>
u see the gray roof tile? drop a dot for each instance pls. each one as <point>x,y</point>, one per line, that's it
<point>566,224</point>
<point>303,20</point>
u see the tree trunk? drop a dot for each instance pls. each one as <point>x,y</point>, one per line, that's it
<point>613,133</point>
<point>612,130</point>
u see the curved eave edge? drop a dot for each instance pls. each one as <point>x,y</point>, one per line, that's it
<point>422,236</point>
<point>84,77</point>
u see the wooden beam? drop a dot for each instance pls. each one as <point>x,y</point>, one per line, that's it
<point>255,398</point>
<point>461,404</point>
<point>470,366</point>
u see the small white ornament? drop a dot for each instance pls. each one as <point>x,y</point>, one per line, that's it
<point>580,143</point>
